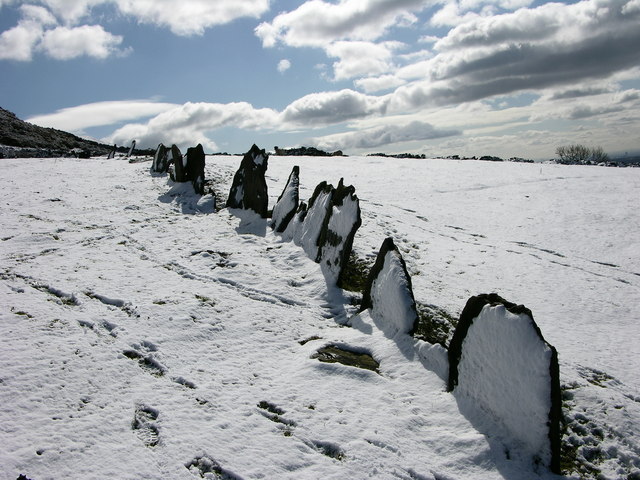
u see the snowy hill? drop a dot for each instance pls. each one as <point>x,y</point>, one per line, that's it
<point>18,133</point>
<point>145,338</point>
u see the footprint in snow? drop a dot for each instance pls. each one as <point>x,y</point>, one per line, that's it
<point>145,426</point>
<point>144,353</point>
<point>205,466</point>
<point>274,413</point>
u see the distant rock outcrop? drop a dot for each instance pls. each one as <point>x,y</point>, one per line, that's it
<point>500,364</point>
<point>249,187</point>
<point>306,152</point>
<point>389,292</point>
<point>16,134</point>
<point>288,201</point>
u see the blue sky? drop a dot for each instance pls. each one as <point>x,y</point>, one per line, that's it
<point>468,77</point>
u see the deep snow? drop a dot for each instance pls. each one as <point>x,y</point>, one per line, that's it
<point>145,338</point>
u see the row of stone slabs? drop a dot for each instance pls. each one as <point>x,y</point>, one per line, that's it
<point>499,362</point>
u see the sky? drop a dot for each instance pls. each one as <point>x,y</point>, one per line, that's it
<point>511,78</point>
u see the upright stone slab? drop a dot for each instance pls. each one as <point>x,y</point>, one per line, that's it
<point>179,165</point>
<point>500,363</point>
<point>389,292</point>
<point>340,226</point>
<point>112,153</point>
<point>172,154</point>
<point>309,233</point>
<point>195,168</point>
<point>249,187</point>
<point>160,163</point>
<point>133,146</point>
<point>288,201</point>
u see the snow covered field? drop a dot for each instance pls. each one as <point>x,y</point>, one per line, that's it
<point>142,338</point>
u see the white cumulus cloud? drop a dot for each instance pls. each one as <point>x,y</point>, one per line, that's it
<point>64,43</point>
<point>325,108</point>
<point>358,58</point>
<point>191,17</point>
<point>284,65</point>
<point>38,31</point>
<point>19,42</point>
<point>81,35</point>
<point>316,23</point>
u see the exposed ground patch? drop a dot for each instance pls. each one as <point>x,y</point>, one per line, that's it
<point>351,358</point>
<point>435,324</point>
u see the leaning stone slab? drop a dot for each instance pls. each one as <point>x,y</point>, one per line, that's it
<point>501,367</point>
<point>132,148</point>
<point>338,231</point>
<point>389,293</point>
<point>288,201</point>
<point>160,163</point>
<point>249,187</point>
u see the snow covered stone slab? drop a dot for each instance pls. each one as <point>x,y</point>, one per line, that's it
<point>389,293</point>
<point>292,232</point>
<point>308,234</point>
<point>501,367</point>
<point>287,204</point>
<point>339,229</point>
<point>249,188</point>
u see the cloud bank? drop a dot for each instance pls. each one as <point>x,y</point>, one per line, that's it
<point>100,113</point>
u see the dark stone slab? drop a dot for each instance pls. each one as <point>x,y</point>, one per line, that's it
<point>179,169</point>
<point>195,168</point>
<point>249,187</point>
<point>160,161</point>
